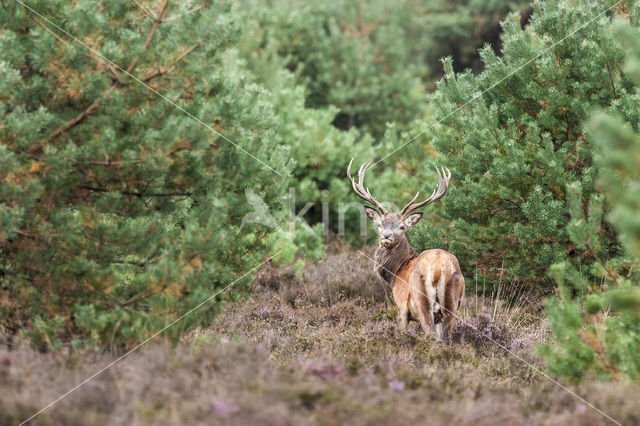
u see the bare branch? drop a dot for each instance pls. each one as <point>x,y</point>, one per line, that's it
<point>137,194</point>
<point>47,29</point>
<point>171,67</point>
<point>156,23</point>
<point>145,10</point>
<point>114,72</point>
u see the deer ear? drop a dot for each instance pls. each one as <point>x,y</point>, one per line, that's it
<point>372,213</point>
<point>412,219</point>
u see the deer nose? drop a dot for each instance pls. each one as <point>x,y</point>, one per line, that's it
<point>387,235</point>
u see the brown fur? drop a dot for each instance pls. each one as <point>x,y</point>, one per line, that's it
<point>427,287</point>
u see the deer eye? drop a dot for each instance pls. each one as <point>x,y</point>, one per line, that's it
<point>402,227</point>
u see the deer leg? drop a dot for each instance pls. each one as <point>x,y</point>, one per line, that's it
<point>448,322</point>
<point>425,316</point>
<point>439,330</point>
<point>403,317</point>
<point>452,297</point>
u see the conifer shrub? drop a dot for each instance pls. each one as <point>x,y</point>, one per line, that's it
<point>119,211</point>
<point>348,80</point>
<point>320,150</point>
<point>513,150</point>
<point>349,55</point>
<point>596,322</point>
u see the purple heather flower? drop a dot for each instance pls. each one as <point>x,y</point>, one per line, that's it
<point>223,408</point>
<point>396,385</point>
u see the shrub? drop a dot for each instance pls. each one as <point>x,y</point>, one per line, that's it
<point>119,211</point>
<point>596,323</point>
<point>514,148</point>
<point>345,79</point>
<point>482,330</point>
<point>348,55</point>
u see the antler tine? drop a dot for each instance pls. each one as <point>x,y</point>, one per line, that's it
<point>415,197</point>
<point>443,185</point>
<point>358,187</point>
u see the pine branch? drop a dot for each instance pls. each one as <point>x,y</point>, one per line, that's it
<point>47,29</point>
<point>138,194</point>
<point>145,10</point>
<point>167,70</point>
<point>116,75</point>
<point>189,12</point>
<point>140,264</point>
<point>140,296</point>
<point>37,147</point>
<point>34,149</point>
<point>156,23</point>
<point>171,67</point>
<point>109,163</point>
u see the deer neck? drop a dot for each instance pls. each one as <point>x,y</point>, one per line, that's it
<point>389,261</point>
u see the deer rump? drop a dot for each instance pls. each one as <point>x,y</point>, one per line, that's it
<point>432,284</point>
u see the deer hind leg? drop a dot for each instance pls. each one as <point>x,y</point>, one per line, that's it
<point>403,317</point>
<point>454,291</point>
<point>425,315</point>
<point>437,317</point>
<point>438,330</point>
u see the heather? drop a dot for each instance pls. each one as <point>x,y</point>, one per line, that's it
<point>322,348</point>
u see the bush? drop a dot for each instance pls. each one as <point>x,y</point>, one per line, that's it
<point>596,323</point>
<point>348,55</point>
<point>513,150</point>
<point>346,82</point>
<point>118,211</point>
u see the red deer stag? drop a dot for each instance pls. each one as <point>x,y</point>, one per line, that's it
<point>427,287</point>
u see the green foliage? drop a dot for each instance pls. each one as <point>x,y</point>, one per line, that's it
<point>319,149</point>
<point>118,211</point>
<point>456,28</point>
<point>597,323</point>
<point>370,59</point>
<point>347,80</point>
<point>514,148</point>
<point>349,54</point>
<point>297,241</point>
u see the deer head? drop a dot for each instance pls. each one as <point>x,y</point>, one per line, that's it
<point>391,225</point>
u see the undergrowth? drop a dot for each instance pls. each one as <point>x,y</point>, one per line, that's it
<point>321,347</point>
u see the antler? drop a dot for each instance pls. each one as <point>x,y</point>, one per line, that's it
<point>359,188</point>
<point>443,184</point>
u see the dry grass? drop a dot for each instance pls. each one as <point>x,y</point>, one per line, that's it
<point>319,349</point>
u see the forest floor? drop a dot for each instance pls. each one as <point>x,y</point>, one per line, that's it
<point>322,348</point>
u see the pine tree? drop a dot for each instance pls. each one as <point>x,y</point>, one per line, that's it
<point>596,323</point>
<point>372,59</point>
<point>456,28</point>
<point>118,210</point>
<point>514,148</point>
<point>319,149</point>
<point>345,80</point>
<point>350,55</point>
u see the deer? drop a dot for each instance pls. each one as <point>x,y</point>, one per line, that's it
<point>426,287</point>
